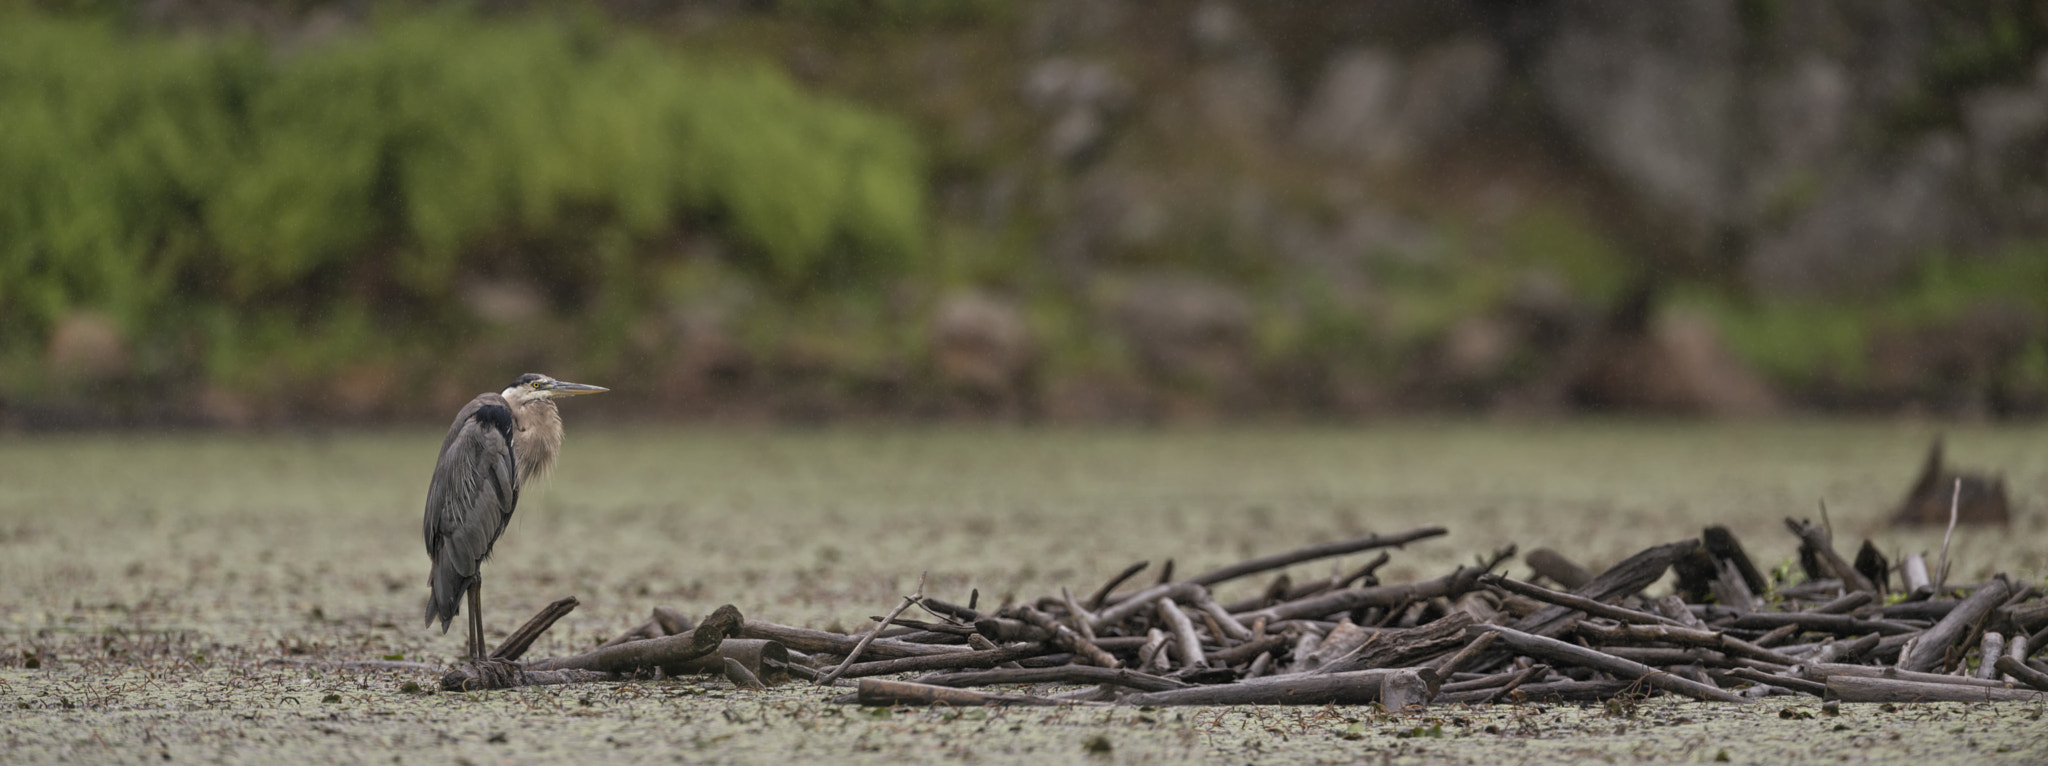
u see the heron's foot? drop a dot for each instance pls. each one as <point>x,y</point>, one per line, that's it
<point>495,673</point>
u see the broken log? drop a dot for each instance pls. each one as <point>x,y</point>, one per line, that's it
<point>1932,650</point>
<point>1814,540</point>
<point>1722,545</point>
<point>1624,579</point>
<point>523,638</point>
<point>1354,688</point>
<point>2020,671</point>
<point>884,692</point>
<point>1865,689</point>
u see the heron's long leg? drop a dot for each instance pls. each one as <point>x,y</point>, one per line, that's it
<point>476,619</point>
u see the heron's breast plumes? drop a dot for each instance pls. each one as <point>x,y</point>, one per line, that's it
<point>537,439</point>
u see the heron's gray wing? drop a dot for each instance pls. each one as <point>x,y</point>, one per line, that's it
<point>471,497</point>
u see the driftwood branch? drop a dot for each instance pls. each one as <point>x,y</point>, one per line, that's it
<point>1096,601</point>
<point>885,692</point>
<point>1336,640</point>
<point>1356,598</point>
<point>869,637</point>
<point>1932,650</point>
<point>980,658</point>
<point>1626,578</point>
<point>2018,669</point>
<point>1865,689</point>
<point>1815,538</point>
<point>1559,651</point>
<point>1577,603</point>
<point>523,638</point>
<point>1063,674</point>
<point>812,641</point>
<point>1313,552</point>
<point>1356,688</point>
<point>667,654</point>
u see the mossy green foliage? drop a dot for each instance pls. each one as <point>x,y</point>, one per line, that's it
<point>190,180</point>
<point>1470,272</point>
<point>1974,44</point>
<point>1806,342</point>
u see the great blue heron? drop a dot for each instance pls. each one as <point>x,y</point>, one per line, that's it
<point>497,442</point>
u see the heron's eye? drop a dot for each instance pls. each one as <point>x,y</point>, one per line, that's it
<point>535,384</point>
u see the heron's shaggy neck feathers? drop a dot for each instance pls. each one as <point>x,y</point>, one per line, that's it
<point>536,436</point>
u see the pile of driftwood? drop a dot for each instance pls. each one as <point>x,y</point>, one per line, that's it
<point>1848,632</point>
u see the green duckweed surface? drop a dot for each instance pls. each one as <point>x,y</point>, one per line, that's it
<point>146,580</point>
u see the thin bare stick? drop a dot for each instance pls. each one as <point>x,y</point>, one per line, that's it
<point>1095,601</point>
<point>827,642</point>
<point>1453,662</point>
<point>1941,570</point>
<point>1137,602</point>
<point>1313,552</point>
<point>1559,651</point>
<point>1580,603</point>
<point>1537,670</point>
<point>987,658</point>
<point>1795,684</point>
<point>869,637</point>
<point>1078,615</point>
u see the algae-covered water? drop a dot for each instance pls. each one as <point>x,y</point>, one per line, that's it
<point>146,578</point>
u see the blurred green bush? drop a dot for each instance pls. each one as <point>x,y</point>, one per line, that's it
<point>182,185</point>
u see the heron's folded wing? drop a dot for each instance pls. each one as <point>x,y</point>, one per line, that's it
<point>472,493</point>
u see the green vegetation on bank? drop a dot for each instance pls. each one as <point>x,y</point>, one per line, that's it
<point>433,197</point>
<point>321,198</point>
<point>1801,344</point>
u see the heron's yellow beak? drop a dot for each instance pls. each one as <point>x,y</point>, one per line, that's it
<point>565,388</point>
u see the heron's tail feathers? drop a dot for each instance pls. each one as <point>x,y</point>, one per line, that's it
<point>448,585</point>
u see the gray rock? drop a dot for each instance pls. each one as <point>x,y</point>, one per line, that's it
<point>982,344</point>
<point>1061,84</point>
<point>1647,90</point>
<point>1867,228</point>
<point>1081,96</point>
<point>1803,118</point>
<point>1371,106</point>
<point>1241,98</point>
<point>1187,329</point>
<point>1217,29</point>
<point>1354,104</point>
<point>2007,130</point>
<point>88,347</point>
